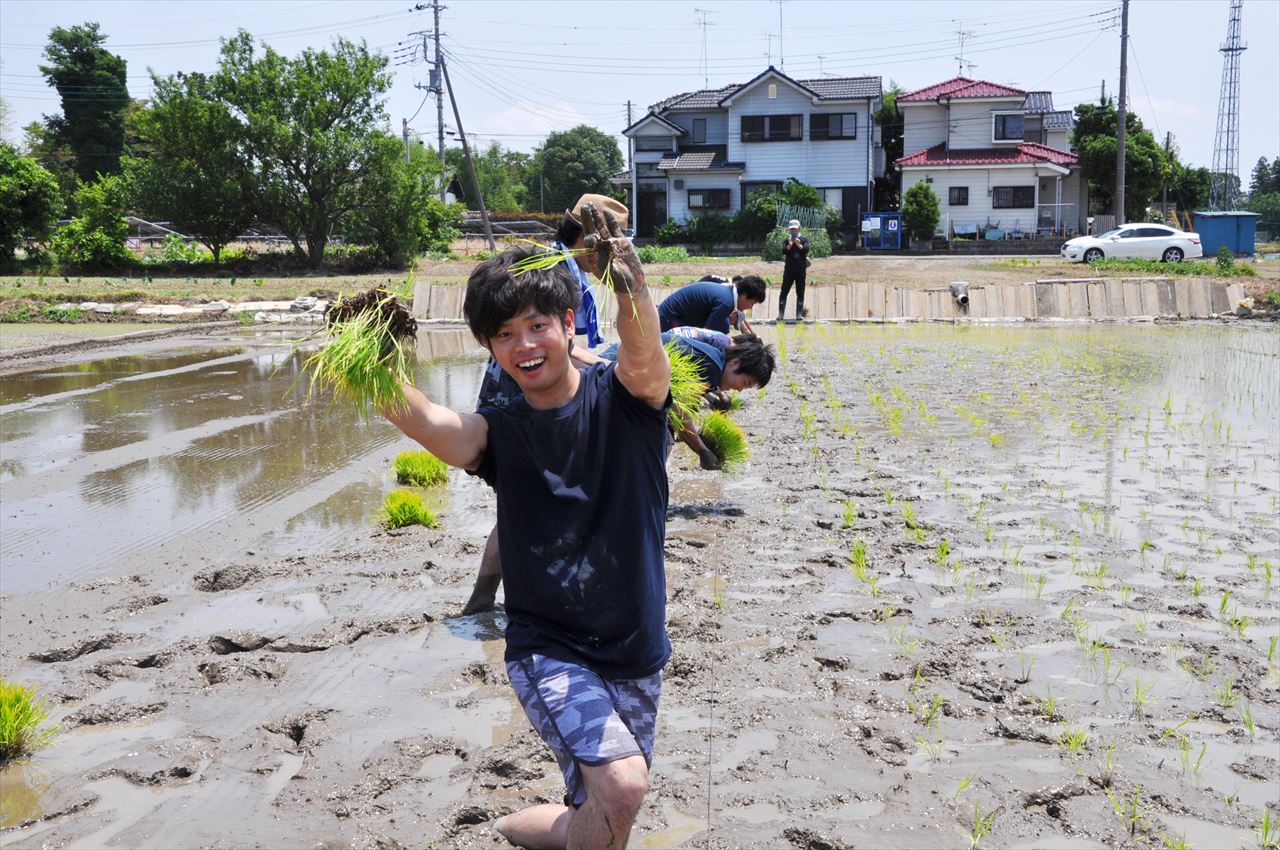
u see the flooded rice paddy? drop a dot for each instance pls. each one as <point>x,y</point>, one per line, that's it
<point>1008,582</point>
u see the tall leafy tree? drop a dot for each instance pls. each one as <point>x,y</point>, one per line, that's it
<point>196,175</point>
<point>91,82</point>
<point>572,163</point>
<point>1260,180</point>
<point>53,155</point>
<point>30,202</point>
<point>888,189</point>
<point>312,126</point>
<point>1144,161</point>
<point>502,174</point>
<point>409,217</point>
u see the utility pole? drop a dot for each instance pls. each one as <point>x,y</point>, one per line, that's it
<point>1164,191</point>
<point>1120,111</point>
<point>1102,97</point>
<point>434,83</point>
<point>471,166</point>
<point>404,131</point>
<point>635,178</point>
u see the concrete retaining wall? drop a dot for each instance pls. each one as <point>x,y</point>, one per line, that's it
<point>1114,298</point>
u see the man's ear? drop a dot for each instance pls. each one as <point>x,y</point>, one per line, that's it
<point>569,325</point>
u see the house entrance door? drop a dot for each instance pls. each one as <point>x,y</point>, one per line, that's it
<point>653,212</point>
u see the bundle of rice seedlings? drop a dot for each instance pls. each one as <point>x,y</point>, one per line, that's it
<point>405,507</point>
<point>370,351</point>
<point>687,385</point>
<point>722,435</point>
<point>420,469</point>
<point>22,721</point>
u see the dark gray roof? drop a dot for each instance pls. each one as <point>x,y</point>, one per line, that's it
<point>1063,120</point>
<point>826,88</point>
<point>843,88</point>
<point>675,128</point>
<point>698,161</point>
<point>1038,101</point>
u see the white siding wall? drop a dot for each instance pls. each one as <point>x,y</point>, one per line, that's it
<point>923,127</point>
<point>1058,139</point>
<point>827,163</point>
<point>971,122</point>
<point>979,210</point>
<point>717,125</point>
<point>678,199</point>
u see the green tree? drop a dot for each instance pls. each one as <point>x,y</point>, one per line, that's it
<point>30,202</point>
<point>54,155</point>
<point>888,189</point>
<point>196,175</point>
<point>502,175</point>
<point>573,163</point>
<point>409,218</point>
<point>1266,204</point>
<point>1094,140</point>
<point>1189,189</point>
<point>921,211</point>
<point>1260,180</point>
<point>91,82</point>
<point>313,126</point>
<point>95,237</point>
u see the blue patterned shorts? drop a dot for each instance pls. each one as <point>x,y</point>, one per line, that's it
<point>583,718</point>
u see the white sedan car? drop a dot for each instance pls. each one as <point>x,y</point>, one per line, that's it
<point>1135,242</point>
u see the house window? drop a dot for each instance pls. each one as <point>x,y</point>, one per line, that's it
<point>1008,128</point>
<point>833,198</point>
<point>833,126</point>
<point>773,91</point>
<point>649,143</point>
<point>1013,197</point>
<point>958,196</point>
<point>699,131</point>
<point>708,199</point>
<point>772,128</point>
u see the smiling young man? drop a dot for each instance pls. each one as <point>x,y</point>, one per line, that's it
<point>577,463</point>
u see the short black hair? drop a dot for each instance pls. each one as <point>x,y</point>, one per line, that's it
<point>494,294</point>
<point>754,357</point>
<point>751,286</point>
<point>569,231</point>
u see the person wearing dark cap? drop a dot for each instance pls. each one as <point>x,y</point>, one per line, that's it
<point>795,265</point>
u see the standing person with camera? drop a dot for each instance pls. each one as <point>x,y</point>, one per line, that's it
<point>795,265</point>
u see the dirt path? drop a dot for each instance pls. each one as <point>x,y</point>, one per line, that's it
<point>1047,519</point>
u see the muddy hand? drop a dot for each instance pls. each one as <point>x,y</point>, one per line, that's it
<point>615,255</point>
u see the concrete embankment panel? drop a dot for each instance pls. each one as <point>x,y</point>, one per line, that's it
<point>876,301</point>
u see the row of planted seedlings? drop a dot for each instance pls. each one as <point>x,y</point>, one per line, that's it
<point>894,407</point>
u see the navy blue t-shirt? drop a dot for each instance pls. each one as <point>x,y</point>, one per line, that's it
<point>708,357</point>
<point>582,507</point>
<point>704,304</point>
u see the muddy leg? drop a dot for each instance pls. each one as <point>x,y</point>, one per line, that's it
<point>615,792</point>
<point>488,579</point>
<point>542,827</point>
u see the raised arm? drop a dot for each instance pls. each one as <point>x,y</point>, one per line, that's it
<point>458,439</point>
<point>642,362</point>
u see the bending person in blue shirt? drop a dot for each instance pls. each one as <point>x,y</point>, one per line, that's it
<point>583,566</point>
<point>712,304</point>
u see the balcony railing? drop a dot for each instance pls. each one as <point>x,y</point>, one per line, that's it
<point>1045,221</point>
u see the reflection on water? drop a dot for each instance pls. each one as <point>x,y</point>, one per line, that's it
<point>219,441</point>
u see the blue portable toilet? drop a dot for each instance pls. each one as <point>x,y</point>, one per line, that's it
<point>1233,228</point>
<point>882,231</point>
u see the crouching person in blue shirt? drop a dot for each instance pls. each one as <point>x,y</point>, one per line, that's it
<point>577,464</point>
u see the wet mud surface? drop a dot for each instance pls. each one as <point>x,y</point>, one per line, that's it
<point>1028,572</point>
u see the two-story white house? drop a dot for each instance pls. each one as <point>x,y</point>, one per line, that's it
<point>998,158</point>
<point>707,151</point>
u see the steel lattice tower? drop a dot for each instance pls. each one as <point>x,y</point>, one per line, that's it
<point>1226,143</point>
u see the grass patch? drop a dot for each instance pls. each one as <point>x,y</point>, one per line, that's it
<point>663,254</point>
<point>1189,269</point>
<point>420,469</point>
<point>1014,263</point>
<point>405,507</point>
<point>723,436</point>
<point>23,717</point>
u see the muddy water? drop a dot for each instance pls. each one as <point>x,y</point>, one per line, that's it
<point>1044,514</point>
<point>112,462</point>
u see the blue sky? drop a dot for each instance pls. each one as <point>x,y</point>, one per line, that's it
<point>523,69</point>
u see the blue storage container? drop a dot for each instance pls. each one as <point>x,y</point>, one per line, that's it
<point>1233,228</point>
<point>882,231</point>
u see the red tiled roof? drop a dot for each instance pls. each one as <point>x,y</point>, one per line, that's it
<point>1029,153</point>
<point>961,87</point>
